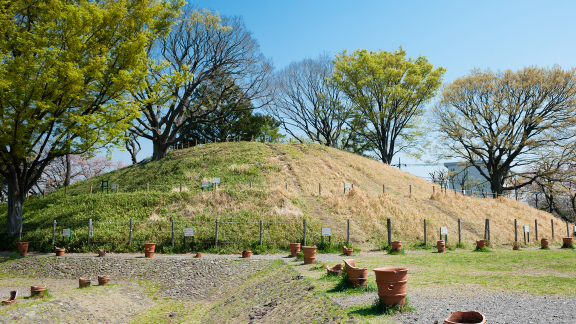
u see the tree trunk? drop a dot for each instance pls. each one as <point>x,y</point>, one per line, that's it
<point>67,178</point>
<point>160,151</point>
<point>15,202</point>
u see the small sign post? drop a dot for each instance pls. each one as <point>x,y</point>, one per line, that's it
<point>105,185</point>
<point>113,187</point>
<point>326,231</point>
<point>66,233</point>
<point>444,231</point>
<point>347,186</point>
<point>189,232</point>
<point>216,181</point>
<point>205,184</point>
<point>526,234</point>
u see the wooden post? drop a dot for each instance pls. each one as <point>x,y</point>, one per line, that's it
<point>383,189</point>
<point>172,232</point>
<point>536,229</point>
<point>486,229</point>
<point>488,223</point>
<point>410,190</point>
<point>117,188</point>
<point>147,187</point>
<point>515,230</point>
<point>43,194</point>
<point>89,230</point>
<point>286,185</point>
<point>130,233</point>
<point>216,241</point>
<point>433,190</point>
<point>90,190</point>
<point>389,229</point>
<point>180,186</point>
<point>54,232</point>
<point>261,228</point>
<point>348,233</point>
<point>459,231</point>
<point>552,225</point>
<point>304,239</point>
<point>319,189</point>
<point>425,237</point>
<point>252,139</point>
<point>204,140</point>
<point>567,230</point>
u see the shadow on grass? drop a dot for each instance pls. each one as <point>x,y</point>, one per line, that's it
<point>379,308</point>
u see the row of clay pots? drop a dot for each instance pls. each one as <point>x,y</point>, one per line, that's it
<point>85,282</point>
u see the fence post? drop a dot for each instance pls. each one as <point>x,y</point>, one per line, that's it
<point>567,230</point>
<point>433,190</point>
<point>216,241</point>
<point>552,223</point>
<point>383,189</point>
<point>410,190</point>
<point>515,230</point>
<point>488,223</point>
<point>319,189</point>
<point>486,229</point>
<point>53,232</point>
<point>304,240</point>
<point>90,190</point>
<point>286,185</point>
<point>348,233</point>
<point>89,230</point>
<point>180,186</point>
<point>389,229</point>
<point>147,187</point>
<point>130,234</point>
<point>459,231</point>
<point>172,232</point>
<point>261,233</point>
<point>536,228</point>
<point>117,188</point>
<point>425,237</point>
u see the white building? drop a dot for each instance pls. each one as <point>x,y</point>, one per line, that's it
<point>462,175</point>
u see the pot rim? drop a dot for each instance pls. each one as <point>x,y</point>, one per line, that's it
<point>391,269</point>
<point>482,321</point>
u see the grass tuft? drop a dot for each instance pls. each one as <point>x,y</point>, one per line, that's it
<point>379,308</point>
<point>484,249</point>
<point>345,286</point>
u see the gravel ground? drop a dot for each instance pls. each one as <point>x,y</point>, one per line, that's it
<point>434,306</point>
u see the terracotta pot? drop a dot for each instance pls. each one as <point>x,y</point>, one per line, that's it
<point>149,249</point>
<point>441,245</point>
<point>12,299</point>
<point>101,253</point>
<point>60,251</point>
<point>347,251</point>
<point>294,249</point>
<point>246,254</point>
<point>335,270</point>
<point>37,291</point>
<point>103,280</point>
<point>391,284</point>
<point>309,254</point>
<point>22,247</point>
<point>198,255</point>
<point>358,277</point>
<point>480,244</point>
<point>515,247</point>
<point>396,246</point>
<point>567,241</point>
<point>544,243</point>
<point>465,317</point>
<point>84,282</point>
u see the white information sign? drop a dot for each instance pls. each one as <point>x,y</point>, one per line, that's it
<point>205,184</point>
<point>347,186</point>
<point>326,231</point>
<point>188,232</point>
<point>526,229</point>
<point>113,186</point>
<point>443,230</point>
<point>216,180</point>
<point>66,232</point>
<point>574,229</point>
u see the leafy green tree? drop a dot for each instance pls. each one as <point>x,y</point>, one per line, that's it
<point>500,122</point>
<point>65,69</point>
<point>388,91</point>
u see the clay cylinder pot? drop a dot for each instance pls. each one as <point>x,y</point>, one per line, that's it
<point>515,247</point>
<point>358,277</point>
<point>37,291</point>
<point>309,254</point>
<point>246,254</point>
<point>60,251</point>
<point>567,241</point>
<point>544,243</point>
<point>391,284</point>
<point>465,317</point>
<point>22,248</point>
<point>149,249</point>
<point>198,255</point>
<point>481,244</point>
<point>101,253</point>
<point>348,251</point>
<point>441,245</point>
<point>103,280</point>
<point>84,282</point>
<point>396,246</point>
<point>294,249</point>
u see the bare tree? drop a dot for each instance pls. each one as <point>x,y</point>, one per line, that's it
<point>133,146</point>
<point>502,121</point>
<point>304,100</point>
<point>201,47</point>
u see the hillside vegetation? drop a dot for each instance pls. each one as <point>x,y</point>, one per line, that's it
<point>273,182</point>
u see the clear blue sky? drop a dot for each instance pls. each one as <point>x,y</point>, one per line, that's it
<point>458,35</point>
